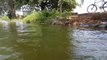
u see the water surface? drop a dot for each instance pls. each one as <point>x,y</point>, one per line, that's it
<point>48,42</point>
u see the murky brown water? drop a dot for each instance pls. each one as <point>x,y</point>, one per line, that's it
<point>45,42</point>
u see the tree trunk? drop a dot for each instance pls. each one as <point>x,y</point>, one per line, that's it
<point>12,8</point>
<point>60,5</point>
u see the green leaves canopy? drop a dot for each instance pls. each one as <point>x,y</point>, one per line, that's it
<point>66,4</point>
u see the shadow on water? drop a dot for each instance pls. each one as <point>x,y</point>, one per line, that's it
<point>21,41</point>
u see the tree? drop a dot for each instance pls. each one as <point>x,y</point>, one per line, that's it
<point>11,5</point>
<point>69,5</point>
<point>66,5</point>
<point>60,2</point>
<point>61,5</point>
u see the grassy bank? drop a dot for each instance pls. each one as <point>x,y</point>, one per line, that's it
<point>45,16</point>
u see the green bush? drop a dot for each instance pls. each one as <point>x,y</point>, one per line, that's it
<point>31,17</point>
<point>54,14</point>
<point>5,18</point>
<point>66,14</point>
<point>41,16</point>
<point>34,17</point>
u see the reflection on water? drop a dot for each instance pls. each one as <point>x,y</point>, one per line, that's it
<point>90,44</point>
<point>20,41</point>
<point>35,42</point>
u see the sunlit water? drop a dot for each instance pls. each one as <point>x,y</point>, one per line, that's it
<point>90,44</point>
<point>19,41</point>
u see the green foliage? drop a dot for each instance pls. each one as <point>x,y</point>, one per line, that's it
<point>5,18</point>
<point>54,14</point>
<point>41,17</point>
<point>63,5</point>
<point>68,6</point>
<point>31,18</point>
<point>66,14</point>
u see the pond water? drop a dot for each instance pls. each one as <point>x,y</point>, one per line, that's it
<point>47,42</point>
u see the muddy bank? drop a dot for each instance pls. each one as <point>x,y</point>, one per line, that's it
<point>89,20</point>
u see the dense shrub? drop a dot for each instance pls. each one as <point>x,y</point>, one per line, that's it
<point>41,16</point>
<point>66,14</point>
<point>31,17</point>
